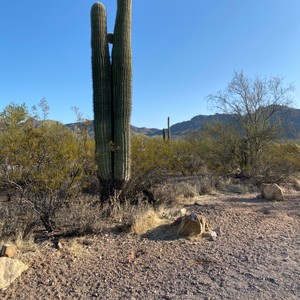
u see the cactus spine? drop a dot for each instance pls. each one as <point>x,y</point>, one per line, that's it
<point>112,86</point>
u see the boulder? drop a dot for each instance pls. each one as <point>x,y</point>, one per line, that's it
<point>190,225</point>
<point>271,191</point>
<point>10,269</point>
<point>8,250</point>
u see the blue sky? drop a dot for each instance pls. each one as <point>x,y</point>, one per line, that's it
<point>182,52</point>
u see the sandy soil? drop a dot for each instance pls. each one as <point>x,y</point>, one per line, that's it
<point>257,256</point>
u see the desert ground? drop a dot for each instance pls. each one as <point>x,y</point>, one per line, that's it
<point>256,256</point>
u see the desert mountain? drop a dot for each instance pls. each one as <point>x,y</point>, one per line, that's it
<point>290,118</point>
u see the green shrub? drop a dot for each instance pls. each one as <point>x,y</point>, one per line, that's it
<point>42,162</point>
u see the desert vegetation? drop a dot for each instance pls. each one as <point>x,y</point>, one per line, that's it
<point>50,192</point>
<point>48,173</point>
<point>58,183</point>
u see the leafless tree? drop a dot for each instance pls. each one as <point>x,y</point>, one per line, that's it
<point>253,105</point>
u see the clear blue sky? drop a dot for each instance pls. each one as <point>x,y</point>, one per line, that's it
<point>182,51</point>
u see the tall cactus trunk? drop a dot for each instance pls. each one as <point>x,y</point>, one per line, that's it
<point>164,134</point>
<point>112,85</point>
<point>122,90</point>
<point>169,129</point>
<point>102,96</point>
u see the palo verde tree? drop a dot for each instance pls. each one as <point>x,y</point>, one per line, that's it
<point>253,105</point>
<point>112,96</point>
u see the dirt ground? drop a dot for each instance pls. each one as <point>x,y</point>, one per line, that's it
<point>257,256</point>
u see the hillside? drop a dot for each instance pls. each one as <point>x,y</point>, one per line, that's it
<point>290,118</point>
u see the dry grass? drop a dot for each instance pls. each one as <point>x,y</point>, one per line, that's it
<point>146,220</point>
<point>82,215</point>
<point>23,245</point>
<point>77,245</point>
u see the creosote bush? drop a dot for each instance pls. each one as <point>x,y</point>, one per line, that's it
<point>42,163</point>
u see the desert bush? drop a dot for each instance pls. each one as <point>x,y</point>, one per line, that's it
<point>204,184</point>
<point>178,156</point>
<point>280,161</point>
<point>80,215</point>
<point>217,146</point>
<point>42,162</point>
<point>16,220</point>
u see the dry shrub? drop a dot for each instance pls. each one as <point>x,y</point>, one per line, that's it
<point>81,215</point>
<point>77,245</point>
<point>124,214</point>
<point>146,220</point>
<point>167,192</point>
<point>140,187</point>
<point>193,186</point>
<point>26,244</point>
<point>295,182</point>
<point>17,220</point>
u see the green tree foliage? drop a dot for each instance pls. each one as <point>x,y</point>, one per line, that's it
<point>41,161</point>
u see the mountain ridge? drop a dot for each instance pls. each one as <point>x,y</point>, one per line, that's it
<point>290,118</point>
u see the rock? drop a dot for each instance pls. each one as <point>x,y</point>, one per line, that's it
<point>218,231</point>
<point>210,235</point>
<point>271,191</point>
<point>190,225</point>
<point>57,245</point>
<point>183,211</point>
<point>8,250</point>
<point>10,269</point>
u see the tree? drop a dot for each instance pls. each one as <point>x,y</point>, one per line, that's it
<point>253,105</point>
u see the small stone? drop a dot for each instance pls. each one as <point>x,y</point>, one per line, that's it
<point>57,245</point>
<point>210,235</point>
<point>218,231</point>
<point>183,211</point>
<point>8,250</point>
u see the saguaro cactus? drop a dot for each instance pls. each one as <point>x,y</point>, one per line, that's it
<point>169,129</point>
<point>112,86</point>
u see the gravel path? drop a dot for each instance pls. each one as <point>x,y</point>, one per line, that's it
<point>257,256</point>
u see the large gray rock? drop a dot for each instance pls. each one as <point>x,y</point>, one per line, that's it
<point>10,269</point>
<point>271,191</point>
